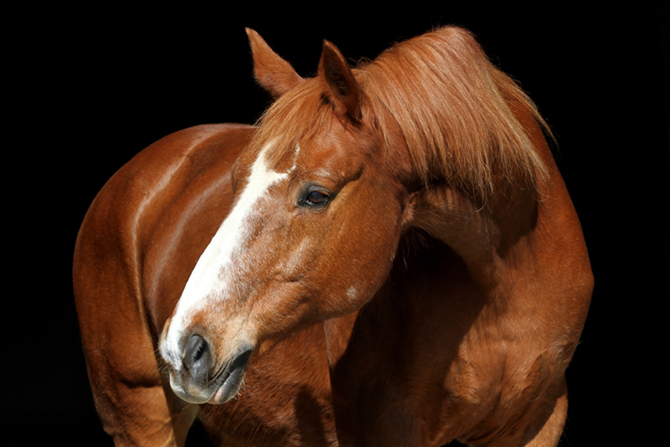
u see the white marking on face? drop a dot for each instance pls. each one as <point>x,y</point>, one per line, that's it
<point>214,272</point>
<point>295,159</point>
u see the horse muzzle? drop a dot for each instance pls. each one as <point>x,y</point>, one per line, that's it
<point>199,378</point>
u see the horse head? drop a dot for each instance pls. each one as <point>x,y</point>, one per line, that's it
<point>319,203</point>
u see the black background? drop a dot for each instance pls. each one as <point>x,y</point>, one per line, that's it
<point>89,87</point>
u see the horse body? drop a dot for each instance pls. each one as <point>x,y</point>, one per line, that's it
<point>345,290</point>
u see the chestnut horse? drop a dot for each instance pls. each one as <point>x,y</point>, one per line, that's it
<point>389,258</point>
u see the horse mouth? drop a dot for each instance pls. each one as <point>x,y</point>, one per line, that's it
<point>228,380</point>
<point>220,387</point>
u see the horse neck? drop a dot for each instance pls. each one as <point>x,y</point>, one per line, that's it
<point>486,235</point>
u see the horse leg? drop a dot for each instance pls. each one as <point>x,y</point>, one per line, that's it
<point>182,414</point>
<point>131,397</point>
<point>551,415</point>
<point>137,416</point>
<point>134,404</point>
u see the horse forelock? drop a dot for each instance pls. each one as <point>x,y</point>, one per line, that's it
<point>298,115</point>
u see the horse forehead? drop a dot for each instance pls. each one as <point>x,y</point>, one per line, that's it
<point>329,156</point>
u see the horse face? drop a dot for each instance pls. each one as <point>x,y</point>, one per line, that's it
<point>310,240</point>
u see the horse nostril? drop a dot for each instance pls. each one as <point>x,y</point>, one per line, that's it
<point>197,358</point>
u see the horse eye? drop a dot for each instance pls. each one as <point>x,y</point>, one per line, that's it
<point>315,198</point>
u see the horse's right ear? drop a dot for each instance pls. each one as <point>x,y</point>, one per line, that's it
<point>272,72</point>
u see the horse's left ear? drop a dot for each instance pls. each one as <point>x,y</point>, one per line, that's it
<point>338,76</point>
<point>272,72</point>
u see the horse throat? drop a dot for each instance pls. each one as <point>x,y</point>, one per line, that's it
<point>485,235</point>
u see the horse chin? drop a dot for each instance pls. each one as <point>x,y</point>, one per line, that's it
<point>191,396</point>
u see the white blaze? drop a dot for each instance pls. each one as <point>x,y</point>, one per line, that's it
<point>206,284</point>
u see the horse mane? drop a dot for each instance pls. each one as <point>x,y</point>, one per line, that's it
<point>453,107</point>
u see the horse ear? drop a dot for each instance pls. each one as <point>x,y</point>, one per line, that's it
<point>272,72</point>
<point>339,78</point>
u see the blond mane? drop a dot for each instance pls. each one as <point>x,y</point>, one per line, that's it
<point>450,103</point>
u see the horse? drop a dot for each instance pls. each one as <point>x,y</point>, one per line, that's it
<point>388,257</point>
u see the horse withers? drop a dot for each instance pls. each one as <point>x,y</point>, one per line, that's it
<point>390,257</point>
